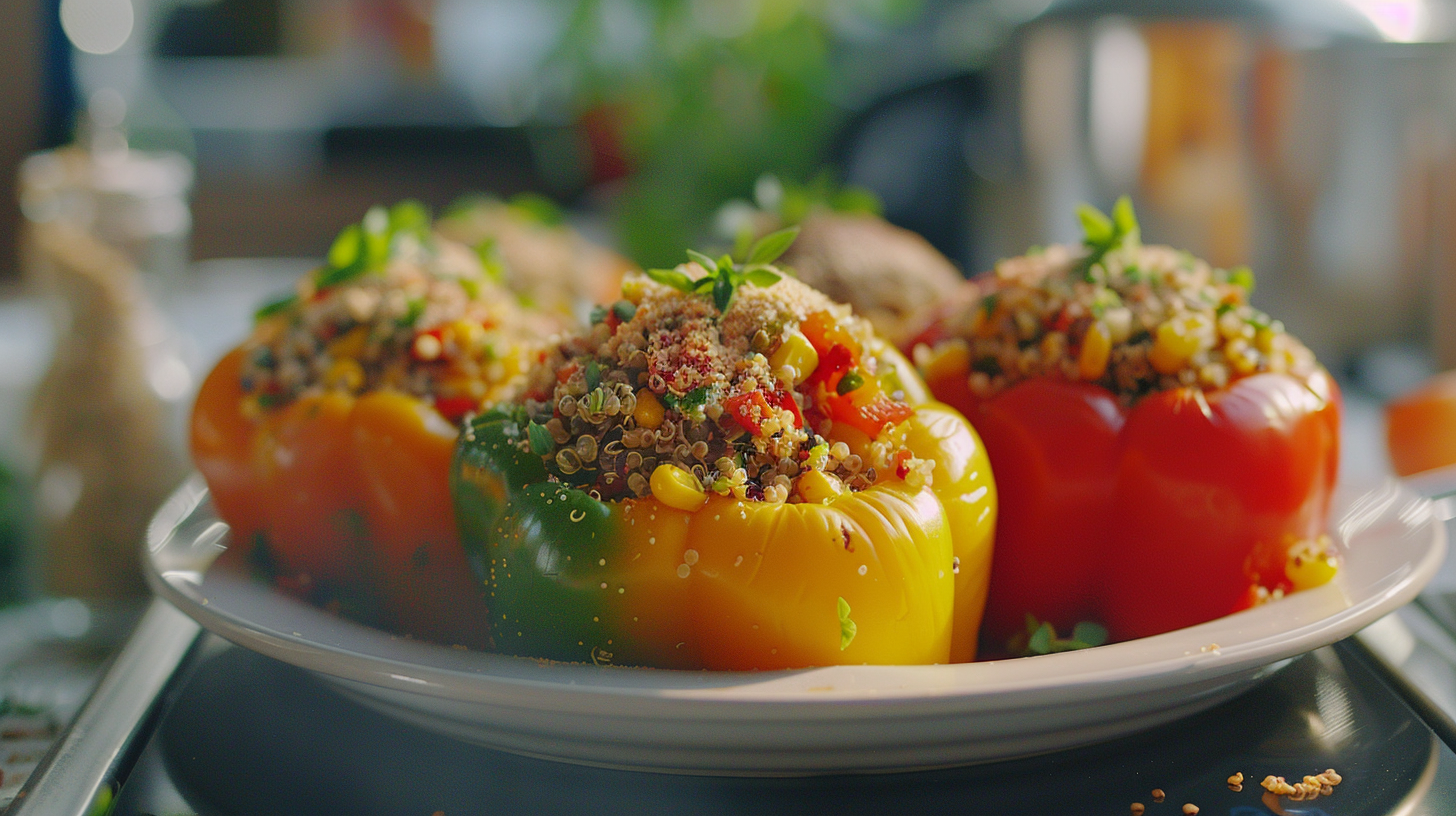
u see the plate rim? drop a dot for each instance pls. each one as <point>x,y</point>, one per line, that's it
<point>482,677</point>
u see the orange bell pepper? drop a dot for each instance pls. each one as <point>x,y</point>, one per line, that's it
<point>344,491</point>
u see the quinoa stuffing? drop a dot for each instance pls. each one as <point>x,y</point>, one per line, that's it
<point>394,307</point>
<point>1134,319</point>
<point>721,377</point>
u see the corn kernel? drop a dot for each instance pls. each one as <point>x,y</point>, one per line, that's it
<point>346,374</point>
<point>797,354</point>
<point>1307,571</point>
<point>470,336</point>
<point>1179,339</point>
<point>1096,348</point>
<point>350,343</point>
<point>649,410</point>
<point>816,486</point>
<point>677,488</point>
<point>633,288</point>
<point>947,361</point>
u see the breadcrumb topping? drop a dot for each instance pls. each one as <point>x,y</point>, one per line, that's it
<point>429,321</point>
<point>1135,319</point>
<point>740,400</point>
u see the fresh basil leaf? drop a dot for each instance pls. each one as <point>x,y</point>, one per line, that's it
<point>275,306</point>
<point>673,278</point>
<point>541,442</point>
<point>762,277</point>
<point>704,261</point>
<point>725,262</point>
<point>346,249</point>
<point>1090,633</point>
<point>410,217</point>
<point>771,246</point>
<point>856,200</point>
<point>705,283</point>
<point>538,208</point>
<point>722,292</point>
<point>847,628</point>
<point>1097,228</point>
<point>1040,642</point>
<point>1124,220</point>
<point>1242,277</point>
<point>593,375</point>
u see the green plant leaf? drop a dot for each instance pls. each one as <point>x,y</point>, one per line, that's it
<point>722,292</point>
<point>762,277</point>
<point>1089,633</point>
<point>771,246</point>
<point>1124,220</point>
<point>275,306</point>
<point>1242,277</point>
<point>538,208</point>
<point>673,278</point>
<point>1040,642</point>
<point>705,262</point>
<point>411,217</point>
<point>847,628</point>
<point>856,200</point>
<point>541,442</point>
<point>1096,228</point>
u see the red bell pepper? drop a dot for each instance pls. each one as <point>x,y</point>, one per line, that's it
<point>1176,511</point>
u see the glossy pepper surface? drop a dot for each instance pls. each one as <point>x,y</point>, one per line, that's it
<point>1153,518</point>
<point>326,437</point>
<point>350,491</point>
<point>734,584</point>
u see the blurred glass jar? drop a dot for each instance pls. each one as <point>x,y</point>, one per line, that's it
<point>106,232</point>
<point>133,200</point>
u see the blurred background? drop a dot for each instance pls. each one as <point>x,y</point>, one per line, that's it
<point>171,163</point>
<point>220,144</point>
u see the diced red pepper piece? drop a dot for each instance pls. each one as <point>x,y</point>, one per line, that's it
<point>453,408</point>
<point>868,408</point>
<point>834,363</point>
<point>750,410</point>
<point>785,400</point>
<point>824,332</point>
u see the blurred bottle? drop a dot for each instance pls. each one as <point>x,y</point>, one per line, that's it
<point>104,225</point>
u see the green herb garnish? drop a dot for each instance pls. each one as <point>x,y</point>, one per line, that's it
<point>1101,234</point>
<point>365,247</point>
<point>724,276</point>
<point>849,382</point>
<point>540,439</point>
<point>847,628</point>
<point>1242,277</point>
<point>275,306</point>
<point>538,208</point>
<point>1041,638</point>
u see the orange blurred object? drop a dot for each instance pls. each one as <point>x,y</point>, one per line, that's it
<point>1420,426</point>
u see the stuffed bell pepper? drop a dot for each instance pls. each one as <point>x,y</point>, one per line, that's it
<point>728,471</point>
<point>1165,452</point>
<point>326,437</point>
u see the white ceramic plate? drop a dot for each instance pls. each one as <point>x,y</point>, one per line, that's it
<point>844,718</point>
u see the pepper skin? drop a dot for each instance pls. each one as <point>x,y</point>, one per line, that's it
<point>1151,519</point>
<point>349,491</point>
<point>734,585</point>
